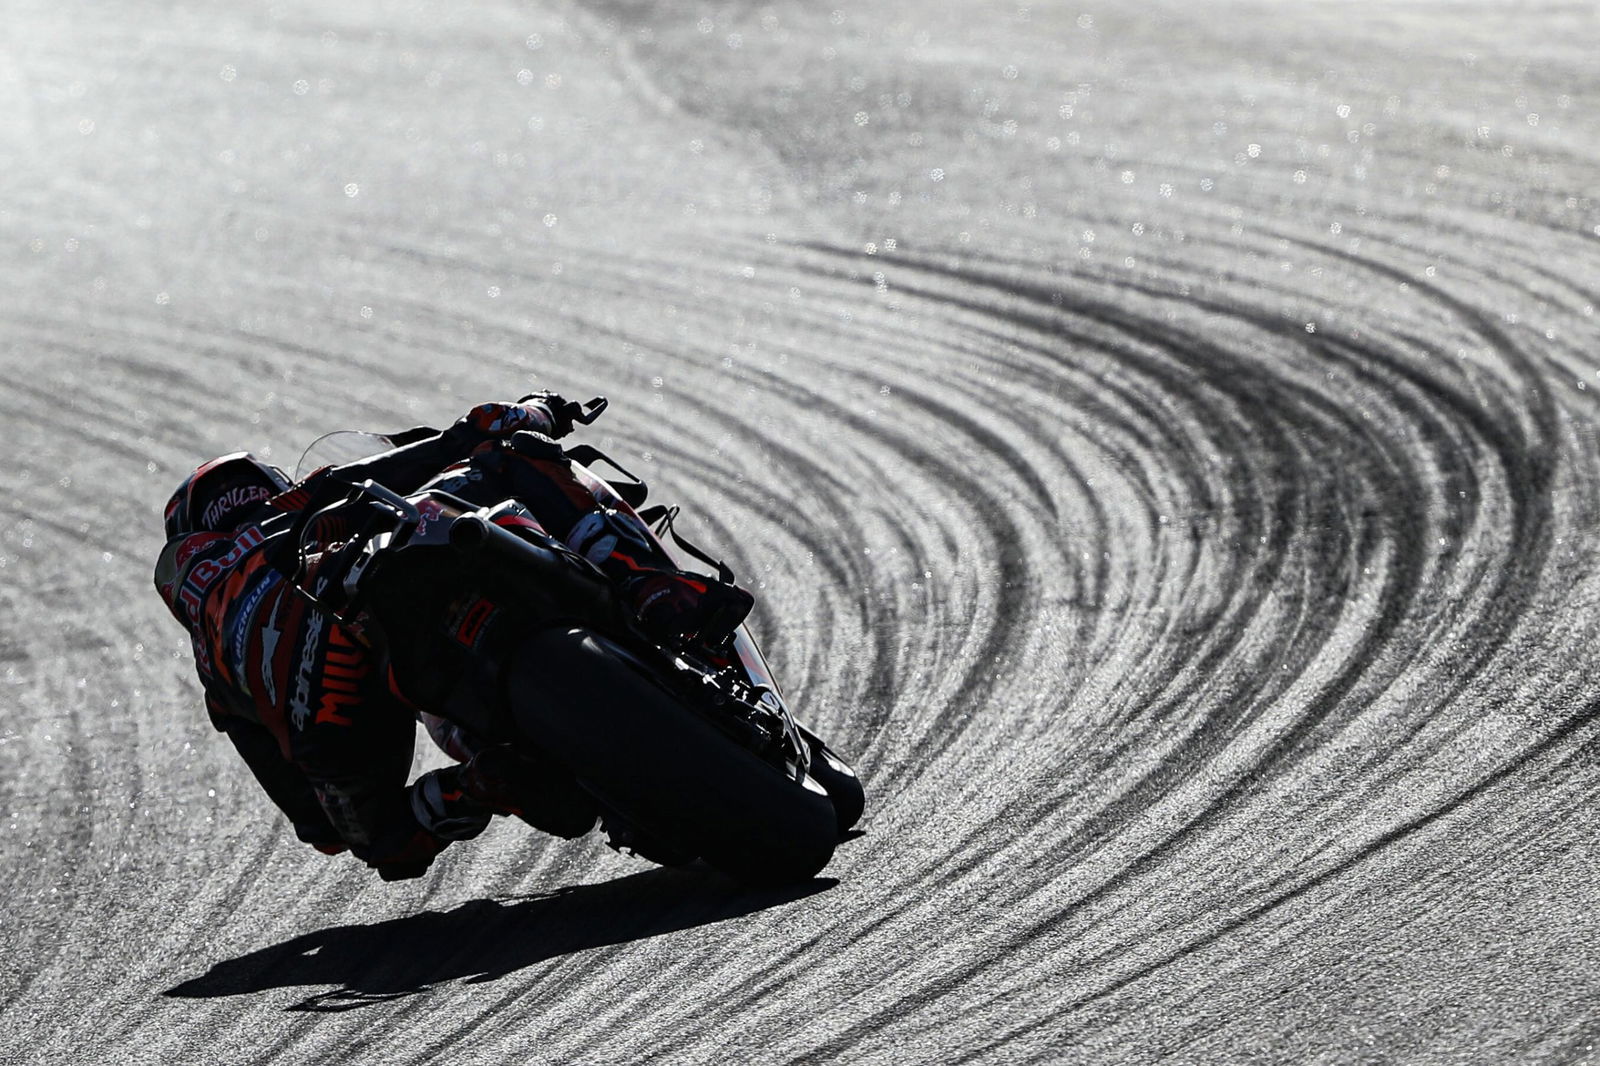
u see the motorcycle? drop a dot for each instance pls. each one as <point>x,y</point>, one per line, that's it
<point>690,750</point>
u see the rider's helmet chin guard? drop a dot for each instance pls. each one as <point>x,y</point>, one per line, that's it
<point>218,493</point>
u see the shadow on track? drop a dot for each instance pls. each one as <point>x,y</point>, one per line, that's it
<point>485,940</point>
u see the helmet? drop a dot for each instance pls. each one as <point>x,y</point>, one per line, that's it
<point>216,496</point>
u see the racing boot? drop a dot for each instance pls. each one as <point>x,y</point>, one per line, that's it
<point>671,605</point>
<point>446,808</point>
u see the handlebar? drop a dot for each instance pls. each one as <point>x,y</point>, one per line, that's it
<point>582,414</point>
<point>330,501</point>
<point>589,411</point>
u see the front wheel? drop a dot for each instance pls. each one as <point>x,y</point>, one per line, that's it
<point>838,778</point>
<point>661,766</point>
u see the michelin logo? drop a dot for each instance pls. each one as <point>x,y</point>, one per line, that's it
<point>242,623</point>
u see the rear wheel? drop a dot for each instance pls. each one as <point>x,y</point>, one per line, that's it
<point>663,767</point>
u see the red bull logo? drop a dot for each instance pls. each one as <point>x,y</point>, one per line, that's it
<point>205,573</point>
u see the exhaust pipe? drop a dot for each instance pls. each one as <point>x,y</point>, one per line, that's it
<point>468,534</point>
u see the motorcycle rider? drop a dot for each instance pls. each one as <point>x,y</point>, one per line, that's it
<point>319,717</point>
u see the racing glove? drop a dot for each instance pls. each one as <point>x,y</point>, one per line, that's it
<point>542,412</point>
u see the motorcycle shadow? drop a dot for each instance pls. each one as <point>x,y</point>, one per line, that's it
<point>485,940</point>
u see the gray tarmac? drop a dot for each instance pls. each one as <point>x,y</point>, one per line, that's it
<point>1163,442</point>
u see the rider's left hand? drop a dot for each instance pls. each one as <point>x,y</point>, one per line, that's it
<point>561,411</point>
<point>541,413</point>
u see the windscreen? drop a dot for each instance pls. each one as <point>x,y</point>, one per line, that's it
<point>340,447</point>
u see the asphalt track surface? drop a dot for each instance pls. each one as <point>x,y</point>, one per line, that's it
<point>1163,442</point>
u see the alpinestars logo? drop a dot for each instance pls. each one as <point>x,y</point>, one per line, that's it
<point>270,634</point>
<point>300,701</point>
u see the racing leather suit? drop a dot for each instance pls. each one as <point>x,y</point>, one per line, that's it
<point>315,713</point>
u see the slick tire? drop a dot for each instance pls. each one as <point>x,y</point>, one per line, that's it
<point>662,767</point>
<point>839,779</point>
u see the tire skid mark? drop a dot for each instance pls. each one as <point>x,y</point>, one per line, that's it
<point>1526,463</point>
<point>1276,444</point>
<point>1398,834</point>
<point>1332,410</point>
<point>77,782</point>
<point>1515,455</point>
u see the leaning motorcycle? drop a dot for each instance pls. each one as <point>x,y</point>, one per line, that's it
<point>489,621</point>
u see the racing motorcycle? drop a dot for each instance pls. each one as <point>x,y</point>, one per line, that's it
<point>689,749</point>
